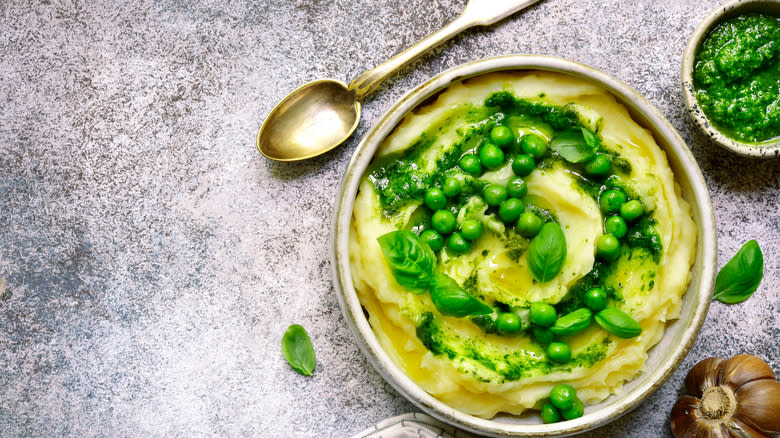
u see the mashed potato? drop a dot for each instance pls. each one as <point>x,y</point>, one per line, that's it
<point>458,360</point>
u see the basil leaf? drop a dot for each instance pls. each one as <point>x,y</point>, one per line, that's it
<point>547,252</point>
<point>590,139</point>
<point>741,275</point>
<point>618,322</point>
<point>572,323</point>
<point>450,299</point>
<point>573,145</point>
<point>411,261</point>
<point>298,350</point>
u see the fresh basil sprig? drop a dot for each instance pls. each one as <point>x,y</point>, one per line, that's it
<point>741,275</point>
<point>618,322</point>
<point>411,261</point>
<point>450,299</point>
<point>547,252</point>
<point>298,350</point>
<point>575,145</point>
<point>413,265</point>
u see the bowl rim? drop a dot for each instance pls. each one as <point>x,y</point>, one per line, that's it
<point>727,10</point>
<point>677,151</point>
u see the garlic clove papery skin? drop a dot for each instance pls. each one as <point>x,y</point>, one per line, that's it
<point>758,405</point>
<point>703,375</point>
<point>742,369</point>
<point>717,430</point>
<point>741,430</point>
<point>685,414</point>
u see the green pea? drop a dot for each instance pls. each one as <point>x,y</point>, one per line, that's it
<point>608,247</point>
<point>470,164</point>
<point>562,396</point>
<point>443,221</point>
<point>598,165</point>
<point>435,198</point>
<point>471,229</point>
<point>433,239</point>
<point>572,323</point>
<point>516,187</point>
<point>550,414</point>
<point>501,135</point>
<point>559,352</point>
<point>543,335</point>
<point>491,156</point>
<point>458,244</point>
<point>494,194</point>
<point>533,145</point>
<point>451,187</point>
<point>510,210</point>
<point>522,313</point>
<point>631,210</point>
<point>611,200</point>
<point>576,411</point>
<point>595,298</point>
<point>616,226</point>
<point>508,323</point>
<point>543,314</point>
<point>523,165</point>
<point>529,224</point>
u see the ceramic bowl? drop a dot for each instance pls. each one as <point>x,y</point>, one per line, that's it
<point>724,12</point>
<point>663,358</point>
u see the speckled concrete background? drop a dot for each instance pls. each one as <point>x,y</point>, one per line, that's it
<point>152,258</point>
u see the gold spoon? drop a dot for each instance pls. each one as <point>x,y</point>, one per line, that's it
<point>320,115</point>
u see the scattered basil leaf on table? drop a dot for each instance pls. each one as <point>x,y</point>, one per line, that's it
<point>298,350</point>
<point>618,322</point>
<point>411,261</point>
<point>741,275</point>
<point>547,252</point>
<point>575,145</point>
<point>452,300</point>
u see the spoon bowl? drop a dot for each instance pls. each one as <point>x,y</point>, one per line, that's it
<point>318,114</point>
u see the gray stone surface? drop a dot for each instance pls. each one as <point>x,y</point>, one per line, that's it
<point>152,258</point>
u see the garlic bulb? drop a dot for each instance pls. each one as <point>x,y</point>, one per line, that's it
<point>734,398</point>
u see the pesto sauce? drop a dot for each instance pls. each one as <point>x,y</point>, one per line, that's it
<point>737,75</point>
<point>430,333</point>
<point>560,119</point>
<point>506,366</point>
<point>398,178</point>
<point>644,235</point>
<point>401,179</point>
<point>596,277</point>
<point>515,244</point>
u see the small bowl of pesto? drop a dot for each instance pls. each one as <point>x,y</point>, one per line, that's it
<point>731,77</point>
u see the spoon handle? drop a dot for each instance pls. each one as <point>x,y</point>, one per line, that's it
<point>476,13</point>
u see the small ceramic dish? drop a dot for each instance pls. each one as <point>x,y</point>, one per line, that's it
<point>662,360</point>
<point>724,12</point>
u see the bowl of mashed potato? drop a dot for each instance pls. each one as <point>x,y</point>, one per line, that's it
<point>524,246</point>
